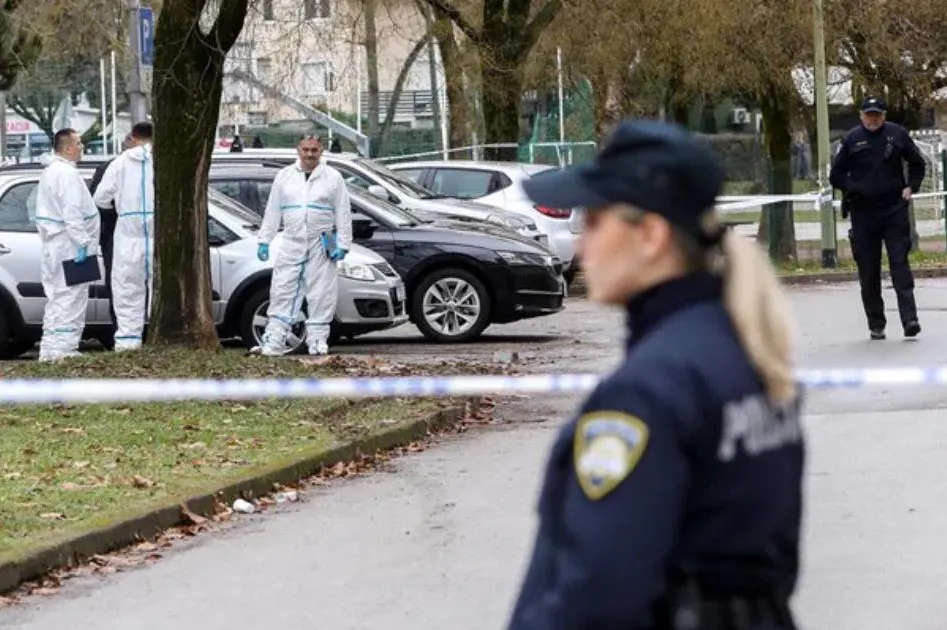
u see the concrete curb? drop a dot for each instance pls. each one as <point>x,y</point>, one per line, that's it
<point>152,521</point>
<point>578,289</point>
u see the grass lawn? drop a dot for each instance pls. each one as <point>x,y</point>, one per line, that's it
<point>810,259</point>
<point>66,469</point>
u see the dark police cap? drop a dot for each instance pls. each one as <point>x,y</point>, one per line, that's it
<point>872,104</point>
<point>654,166</point>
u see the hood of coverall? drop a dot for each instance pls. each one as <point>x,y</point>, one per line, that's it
<point>139,153</point>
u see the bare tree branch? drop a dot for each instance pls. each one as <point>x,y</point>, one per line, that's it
<point>457,18</point>
<point>229,23</point>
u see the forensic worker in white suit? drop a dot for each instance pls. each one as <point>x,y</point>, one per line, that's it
<point>68,225</point>
<point>310,200</point>
<point>129,183</point>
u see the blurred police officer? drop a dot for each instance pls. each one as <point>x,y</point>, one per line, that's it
<point>869,170</point>
<point>673,499</point>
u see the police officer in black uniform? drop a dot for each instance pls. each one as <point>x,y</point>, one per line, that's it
<point>869,170</point>
<point>673,499</point>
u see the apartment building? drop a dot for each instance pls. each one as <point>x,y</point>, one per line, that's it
<point>312,52</point>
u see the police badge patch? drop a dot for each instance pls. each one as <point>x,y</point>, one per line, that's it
<point>606,448</point>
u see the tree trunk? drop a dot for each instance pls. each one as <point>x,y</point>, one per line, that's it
<point>371,61</point>
<point>458,113</point>
<point>777,127</point>
<point>502,90</point>
<point>458,110</point>
<point>188,79</point>
<point>398,89</point>
<point>607,103</point>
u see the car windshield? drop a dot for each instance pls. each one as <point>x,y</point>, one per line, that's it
<point>245,214</point>
<point>389,212</point>
<point>396,179</point>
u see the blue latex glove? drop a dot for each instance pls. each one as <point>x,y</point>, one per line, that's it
<point>263,252</point>
<point>338,254</point>
<point>81,255</point>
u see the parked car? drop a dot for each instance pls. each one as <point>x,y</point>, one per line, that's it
<point>460,278</point>
<point>400,191</point>
<point>371,294</point>
<point>499,184</point>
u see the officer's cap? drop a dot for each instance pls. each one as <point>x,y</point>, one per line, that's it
<point>654,166</point>
<point>872,104</point>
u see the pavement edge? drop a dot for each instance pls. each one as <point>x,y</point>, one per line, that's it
<point>68,553</point>
<point>578,288</point>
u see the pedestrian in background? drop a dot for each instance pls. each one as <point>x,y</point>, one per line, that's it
<point>108,216</point>
<point>311,202</point>
<point>257,142</point>
<point>68,224</point>
<point>129,184</point>
<point>237,145</point>
<point>674,499</point>
<point>869,170</point>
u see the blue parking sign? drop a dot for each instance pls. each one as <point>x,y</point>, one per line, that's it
<point>146,36</point>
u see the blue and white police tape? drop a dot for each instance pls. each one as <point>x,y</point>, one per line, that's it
<point>729,204</point>
<point>67,391</point>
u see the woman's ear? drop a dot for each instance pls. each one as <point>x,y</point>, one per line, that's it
<point>656,237</point>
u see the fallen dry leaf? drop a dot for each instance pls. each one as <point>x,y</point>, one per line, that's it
<point>142,482</point>
<point>82,464</point>
<point>195,519</point>
<point>44,590</point>
<point>6,601</point>
<point>13,475</point>
<point>73,430</point>
<point>51,516</point>
<point>146,547</point>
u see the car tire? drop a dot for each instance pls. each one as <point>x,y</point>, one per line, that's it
<point>10,346</point>
<point>247,325</point>
<point>446,279</point>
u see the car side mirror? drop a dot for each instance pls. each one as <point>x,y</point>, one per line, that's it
<point>215,241</point>
<point>378,191</point>
<point>363,229</point>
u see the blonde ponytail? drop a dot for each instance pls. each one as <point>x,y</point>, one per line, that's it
<point>761,314</point>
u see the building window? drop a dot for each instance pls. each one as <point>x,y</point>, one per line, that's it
<point>314,78</point>
<point>264,70</point>
<point>267,9</point>
<point>315,9</point>
<point>256,119</point>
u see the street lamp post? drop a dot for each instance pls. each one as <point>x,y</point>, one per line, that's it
<point>136,96</point>
<point>826,208</point>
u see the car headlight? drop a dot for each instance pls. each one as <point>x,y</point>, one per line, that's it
<point>356,272</point>
<point>524,258</point>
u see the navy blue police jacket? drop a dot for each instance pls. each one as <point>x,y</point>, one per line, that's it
<point>870,166</point>
<point>676,461</point>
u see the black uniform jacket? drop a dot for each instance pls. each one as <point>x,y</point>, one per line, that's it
<point>677,461</point>
<point>869,166</point>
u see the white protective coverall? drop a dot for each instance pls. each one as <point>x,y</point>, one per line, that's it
<point>129,182</point>
<point>302,268</point>
<point>66,220</point>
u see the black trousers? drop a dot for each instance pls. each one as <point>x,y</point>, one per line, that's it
<point>106,244</point>
<point>870,228</point>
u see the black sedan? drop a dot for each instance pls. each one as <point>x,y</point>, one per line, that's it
<point>460,277</point>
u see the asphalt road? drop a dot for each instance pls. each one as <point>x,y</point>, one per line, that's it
<point>439,539</point>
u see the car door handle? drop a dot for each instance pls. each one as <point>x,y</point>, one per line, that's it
<point>4,249</point>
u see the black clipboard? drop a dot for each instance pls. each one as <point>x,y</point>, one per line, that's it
<point>81,273</point>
